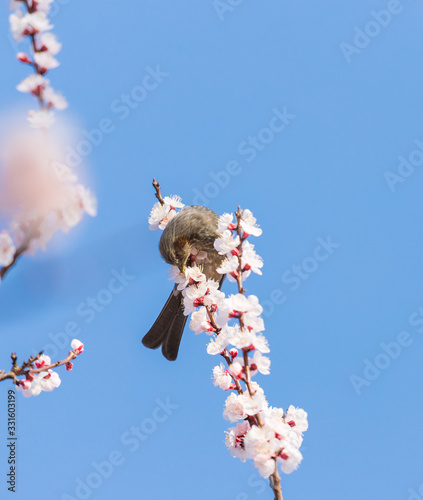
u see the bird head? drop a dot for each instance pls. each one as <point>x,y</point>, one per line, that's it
<point>175,251</point>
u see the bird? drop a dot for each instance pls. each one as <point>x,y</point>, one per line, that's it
<point>193,228</point>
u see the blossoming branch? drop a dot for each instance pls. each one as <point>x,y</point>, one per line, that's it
<point>269,436</point>
<point>37,374</point>
<point>42,193</point>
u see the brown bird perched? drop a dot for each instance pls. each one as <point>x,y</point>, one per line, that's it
<point>194,227</point>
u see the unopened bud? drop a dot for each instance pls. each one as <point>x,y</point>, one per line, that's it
<point>21,56</point>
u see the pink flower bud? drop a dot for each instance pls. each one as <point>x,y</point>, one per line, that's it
<point>23,58</point>
<point>206,326</point>
<point>69,366</point>
<point>77,346</point>
<point>233,353</point>
<point>235,273</point>
<point>199,302</point>
<point>25,384</point>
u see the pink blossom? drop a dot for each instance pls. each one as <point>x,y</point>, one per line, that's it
<point>77,346</point>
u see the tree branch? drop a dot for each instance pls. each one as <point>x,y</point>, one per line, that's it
<point>156,186</point>
<point>28,367</point>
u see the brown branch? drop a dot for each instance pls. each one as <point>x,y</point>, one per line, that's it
<point>156,186</point>
<point>31,232</point>
<point>33,63</point>
<point>27,367</point>
<point>72,355</point>
<point>22,249</point>
<point>275,482</point>
<point>238,216</point>
<point>212,320</point>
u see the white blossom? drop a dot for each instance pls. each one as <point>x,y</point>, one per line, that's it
<point>229,267</point>
<point>48,42</point>
<point>173,202</point>
<point>22,25</point>
<point>236,305</point>
<point>262,363</point>
<point>225,222</point>
<point>297,418</point>
<point>257,402</point>
<point>33,84</point>
<point>226,243</point>
<point>200,322</point>
<point>291,459</point>
<point>248,224</point>
<point>218,343</point>
<point>235,440</point>
<point>250,260</point>
<point>45,61</point>
<point>236,367</point>
<point>7,249</point>
<point>44,5</point>
<point>221,377</point>
<point>261,445</point>
<point>190,276</point>
<point>48,380</point>
<point>160,215</point>
<point>234,408</point>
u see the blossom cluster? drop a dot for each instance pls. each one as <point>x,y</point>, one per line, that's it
<point>44,378</point>
<point>29,20</point>
<point>41,192</point>
<point>264,434</point>
<point>164,211</point>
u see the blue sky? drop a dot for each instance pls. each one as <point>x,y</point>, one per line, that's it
<point>354,104</point>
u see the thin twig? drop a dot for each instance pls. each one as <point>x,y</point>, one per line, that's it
<point>22,249</point>
<point>156,186</point>
<point>27,367</point>
<point>31,232</point>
